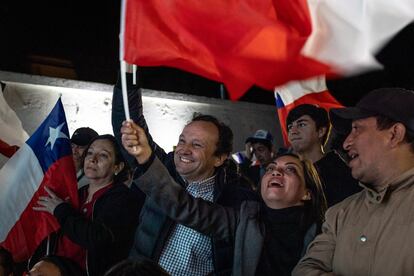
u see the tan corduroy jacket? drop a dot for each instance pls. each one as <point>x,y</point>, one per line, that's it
<point>369,233</point>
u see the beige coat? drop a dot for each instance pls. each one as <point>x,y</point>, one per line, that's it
<point>369,233</point>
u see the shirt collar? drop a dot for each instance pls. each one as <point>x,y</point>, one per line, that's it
<point>393,184</point>
<point>202,188</point>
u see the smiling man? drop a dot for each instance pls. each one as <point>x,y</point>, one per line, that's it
<point>198,164</point>
<point>370,233</point>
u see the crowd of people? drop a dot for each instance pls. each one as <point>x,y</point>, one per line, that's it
<point>302,210</point>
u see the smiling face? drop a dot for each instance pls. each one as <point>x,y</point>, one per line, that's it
<point>194,155</point>
<point>283,184</point>
<point>366,147</point>
<point>99,164</point>
<point>303,134</point>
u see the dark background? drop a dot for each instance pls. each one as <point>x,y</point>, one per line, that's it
<point>79,40</point>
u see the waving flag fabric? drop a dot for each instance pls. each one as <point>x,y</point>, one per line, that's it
<point>239,43</point>
<point>12,134</point>
<point>347,34</point>
<point>44,160</point>
<point>261,42</point>
<point>311,91</point>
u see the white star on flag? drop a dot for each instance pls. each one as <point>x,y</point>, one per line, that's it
<point>54,134</point>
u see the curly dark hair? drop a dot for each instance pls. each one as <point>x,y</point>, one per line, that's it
<point>225,139</point>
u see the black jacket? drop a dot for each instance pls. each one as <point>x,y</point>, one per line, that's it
<point>336,178</point>
<point>155,226</point>
<point>266,241</point>
<point>109,235</point>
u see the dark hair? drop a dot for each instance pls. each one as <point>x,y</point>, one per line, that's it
<point>122,176</point>
<point>315,207</point>
<point>318,114</point>
<point>384,122</point>
<point>139,266</point>
<point>225,139</point>
<point>6,261</point>
<point>66,266</point>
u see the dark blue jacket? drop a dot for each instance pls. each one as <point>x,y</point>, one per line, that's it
<point>155,226</point>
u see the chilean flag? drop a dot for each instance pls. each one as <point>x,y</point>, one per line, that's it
<point>260,42</point>
<point>44,160</point>
<point>311,91</point>
<point>12,133</point>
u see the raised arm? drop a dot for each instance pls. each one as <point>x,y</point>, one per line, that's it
<point>203,216</point>
<point>136,113</point>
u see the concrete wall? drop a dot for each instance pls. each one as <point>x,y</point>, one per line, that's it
<point>89,104</point>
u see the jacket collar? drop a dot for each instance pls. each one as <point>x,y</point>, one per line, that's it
<point>394,184</point>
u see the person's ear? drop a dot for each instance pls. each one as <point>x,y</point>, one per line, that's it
<point>307,196</point>
<point>119,168</point>
<point>397,134</point>
<point>220,160</point>
<point>322,131</point>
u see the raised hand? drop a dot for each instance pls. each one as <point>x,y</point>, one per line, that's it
<point>135,142</point>
<point>48,203</point>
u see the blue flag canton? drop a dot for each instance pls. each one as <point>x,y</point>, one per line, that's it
<point>50,141</point>
<point>279,101</point>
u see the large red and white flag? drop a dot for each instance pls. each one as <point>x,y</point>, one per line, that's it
<point>44,160</point>
<point>239,43</point>
<point>12,134</point>
<point>311,91</point>
<point>261,42</point>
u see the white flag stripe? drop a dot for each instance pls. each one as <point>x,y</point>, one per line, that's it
<point>17,189</point>
<point>12,131</point>
<point>294,90</point>
<point>347,34</point>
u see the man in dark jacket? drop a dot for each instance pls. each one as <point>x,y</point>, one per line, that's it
<point>308,128</point>
<point>199,165</point>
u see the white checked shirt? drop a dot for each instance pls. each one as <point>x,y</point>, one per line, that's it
<point>187,252</point>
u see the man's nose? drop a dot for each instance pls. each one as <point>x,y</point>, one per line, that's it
<point>185,148</point>
<point>348,142</point>
<point>293,129</point>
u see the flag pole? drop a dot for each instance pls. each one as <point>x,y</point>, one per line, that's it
<point>123,64</point>
<point>134,74</point>
<point>124,90</point>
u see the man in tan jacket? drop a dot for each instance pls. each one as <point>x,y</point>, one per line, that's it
<point>372,232</point>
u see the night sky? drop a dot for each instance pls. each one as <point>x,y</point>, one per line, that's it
<point>84,38</point>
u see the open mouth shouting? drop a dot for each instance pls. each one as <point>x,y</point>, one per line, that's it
<point>353,156</point>
<point>273,183</point>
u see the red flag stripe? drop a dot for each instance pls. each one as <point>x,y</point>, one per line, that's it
<point>6,149</point>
